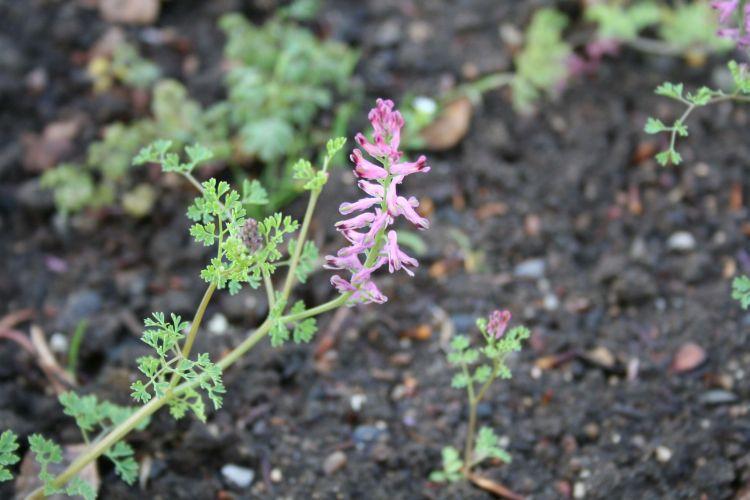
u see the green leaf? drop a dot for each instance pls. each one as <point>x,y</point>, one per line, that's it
<point>680,128</point>
<point>122,455</point>
<point>139,392</point>
<point>741,76</point>
<point>307,261</point>
<point>204,233</point>
<point>333,146</point>
<point>452,465</point>
<point>483,373</point>
<point>45,452</point>
<point>703,96</point>
<point>253,193</point>
<point>313,179</point>
<point>279,334</point>
<point>84,409</point>
<point>198,154</point>
<point>79,487</point>
<point>8,456</point>
<point>741,290</point>
<point>438,476</point>
<point>269,138</point>
<point>671,90</point>
<point>487,446</point>
<point>542,64</point>
<point>459,381</point>
<point>669,156</point>
<point>460,342</point>
<point>654,126</point>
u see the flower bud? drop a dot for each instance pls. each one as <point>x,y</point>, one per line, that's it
<point>251,236</point>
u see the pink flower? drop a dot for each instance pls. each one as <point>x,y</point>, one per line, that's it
<point>366,169</point>
<point>409,168</point>
<point>727,10</point>
<point>498,323</point>
<point>396,258</point>
<point>371,243</point>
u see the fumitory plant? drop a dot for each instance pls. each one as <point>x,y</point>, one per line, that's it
<point>249,252</point>
<point>478,368</point>
<point>734,15</point>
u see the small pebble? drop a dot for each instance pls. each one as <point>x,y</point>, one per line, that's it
<point>218,324</point>
<point>532,268</point>
<point>591,430</point>
<point>357,401</point>
<point>579,490</point>
<point>58,342</point>
<point>238,476</point>
<point>718,397</point>
<point>688,357</point>
<point>334,462</point>
<point>681,241</point>
<point>276,475</point>
<point>663,454</point>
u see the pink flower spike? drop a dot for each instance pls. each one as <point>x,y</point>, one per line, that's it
<point>396,258</point>
<point>410,168</point>
<point>377,212</point>
<point>363,204</point>
<point>366,169</point>
<point>357,222</point>
<point>498,323</point>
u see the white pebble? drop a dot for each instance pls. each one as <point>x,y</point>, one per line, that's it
<point>218,324</point>
<point>276,476</point>
<point>579,490</point>
<point>239,476</point>
<point>357,401</point>
<point>532,268</point>
<point>663,454</point>
<point>681,241</point>
<point>58,342</point>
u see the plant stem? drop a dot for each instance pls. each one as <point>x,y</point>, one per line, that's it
<point>269,290</point>
<point>474,400</point>
<point>469,444</point>
<point>290,277</point>
<point>194,326</point>
<point>470,430</point>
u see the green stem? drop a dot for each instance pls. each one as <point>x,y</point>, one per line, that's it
<point>195,325</point>
<point>290,277</point>
<point>269,289</point>
<point>469,443</point>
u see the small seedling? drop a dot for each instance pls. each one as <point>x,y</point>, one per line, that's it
<point>479,368</point>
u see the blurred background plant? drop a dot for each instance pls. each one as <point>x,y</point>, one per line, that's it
<point>287,91</point>
<point>546,61</point>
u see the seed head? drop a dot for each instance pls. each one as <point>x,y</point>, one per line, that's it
<point>251,236</point>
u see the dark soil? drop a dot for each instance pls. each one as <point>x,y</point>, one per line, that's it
<point>570,220</point>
